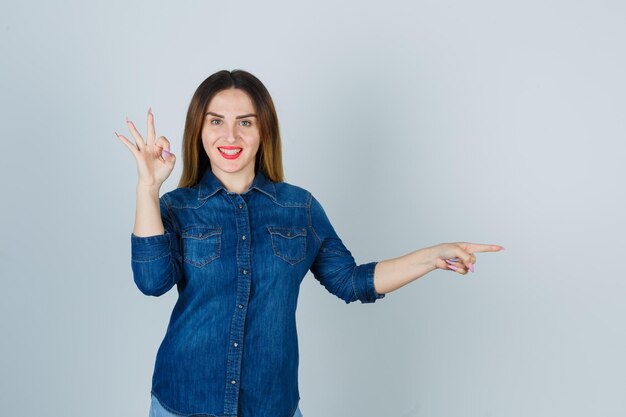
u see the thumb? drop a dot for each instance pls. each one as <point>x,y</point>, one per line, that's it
<point>164,144</point>
<point>464,256</point>
<point>168,156</point>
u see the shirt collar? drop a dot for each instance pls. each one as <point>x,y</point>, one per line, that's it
<point>209,185</point>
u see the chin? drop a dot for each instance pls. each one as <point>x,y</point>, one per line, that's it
<point>230,168</point>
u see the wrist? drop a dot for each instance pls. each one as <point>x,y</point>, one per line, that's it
<point>426,258</point>
<point>152,190</point>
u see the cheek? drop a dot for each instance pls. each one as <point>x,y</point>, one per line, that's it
<point>255,147</point>
<point>208,139</point>
<point>256,142</point>
<point>209,149</point>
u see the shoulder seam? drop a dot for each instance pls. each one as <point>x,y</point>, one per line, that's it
<point>310,217</point>
<point>170,214</point>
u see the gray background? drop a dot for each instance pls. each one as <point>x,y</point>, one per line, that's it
<point>414,123</point>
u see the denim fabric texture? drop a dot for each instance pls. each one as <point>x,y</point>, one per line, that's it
<point>237,260</point>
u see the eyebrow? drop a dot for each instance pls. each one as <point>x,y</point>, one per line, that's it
<point>238,117</point>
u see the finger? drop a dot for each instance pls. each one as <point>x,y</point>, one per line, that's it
<point>151,133</point>
<point>133,131</point>
<point>479,247</point>
<point>459,269</point>
<point>457,264</point>
<point>129,144</point>
<point>164,144</point>
<point>466,258</point>
<point>168,156</point>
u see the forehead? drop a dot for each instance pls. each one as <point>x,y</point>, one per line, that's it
<point>231,100</point>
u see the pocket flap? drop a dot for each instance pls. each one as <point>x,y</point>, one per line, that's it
<point>287,232</point>
<point>200,232</point>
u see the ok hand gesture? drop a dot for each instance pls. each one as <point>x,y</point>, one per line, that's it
<point>155,162</point>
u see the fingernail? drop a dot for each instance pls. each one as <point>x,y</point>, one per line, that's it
<point>449,261</point>
<point>149,109</point>
<point>502,247</point>
<point>166,153</point>
<point>116,134</point>
<point>127,119</point>
<point>453,267</point>
<point>471,267</point>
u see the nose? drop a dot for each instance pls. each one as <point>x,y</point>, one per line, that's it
<point>232,134</point>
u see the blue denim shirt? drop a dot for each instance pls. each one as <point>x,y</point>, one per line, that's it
<point>231,346</point>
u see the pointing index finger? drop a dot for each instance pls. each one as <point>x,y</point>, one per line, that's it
<point>478,247</point>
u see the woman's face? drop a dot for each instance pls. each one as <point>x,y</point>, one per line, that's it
<point>230,124</point>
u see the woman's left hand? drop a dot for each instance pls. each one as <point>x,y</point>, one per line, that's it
<point>459,256</point>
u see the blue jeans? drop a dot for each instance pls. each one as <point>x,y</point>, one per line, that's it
<point>157,410</point>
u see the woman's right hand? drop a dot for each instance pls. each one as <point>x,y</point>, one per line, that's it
<point>155,162</point>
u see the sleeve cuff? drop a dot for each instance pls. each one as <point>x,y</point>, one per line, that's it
<point>149,248</point>
<point>364,283</point>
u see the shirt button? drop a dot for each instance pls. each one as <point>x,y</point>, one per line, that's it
<point>245,271</point>
<point>240,205</point>
<point>235,344</point>
<point>243,237</point>
<point>240,306</point>
<point>233,382</point>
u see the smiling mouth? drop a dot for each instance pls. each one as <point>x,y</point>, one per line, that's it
<point>230,151</point>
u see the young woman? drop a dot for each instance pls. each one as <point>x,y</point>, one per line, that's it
<point>237,241</point>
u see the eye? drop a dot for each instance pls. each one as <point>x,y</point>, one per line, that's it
<point>215,120</point>
<point>246,121</point>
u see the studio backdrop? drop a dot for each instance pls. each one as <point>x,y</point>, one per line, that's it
<point>413,123</point>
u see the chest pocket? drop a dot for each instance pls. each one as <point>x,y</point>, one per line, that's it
<point>201,244</point>
<point>288,243</point>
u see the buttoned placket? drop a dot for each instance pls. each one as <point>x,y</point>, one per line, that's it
<point>233,371</point>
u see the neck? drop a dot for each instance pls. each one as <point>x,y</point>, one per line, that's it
<point>235,183</point>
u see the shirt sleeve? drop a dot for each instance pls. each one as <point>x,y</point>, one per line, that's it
<point>334,267</point>
<point>156,260</point>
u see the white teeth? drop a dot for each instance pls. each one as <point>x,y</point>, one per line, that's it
<point>230,151</point>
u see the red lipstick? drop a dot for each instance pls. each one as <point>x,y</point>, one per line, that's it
<point>235,156</point>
